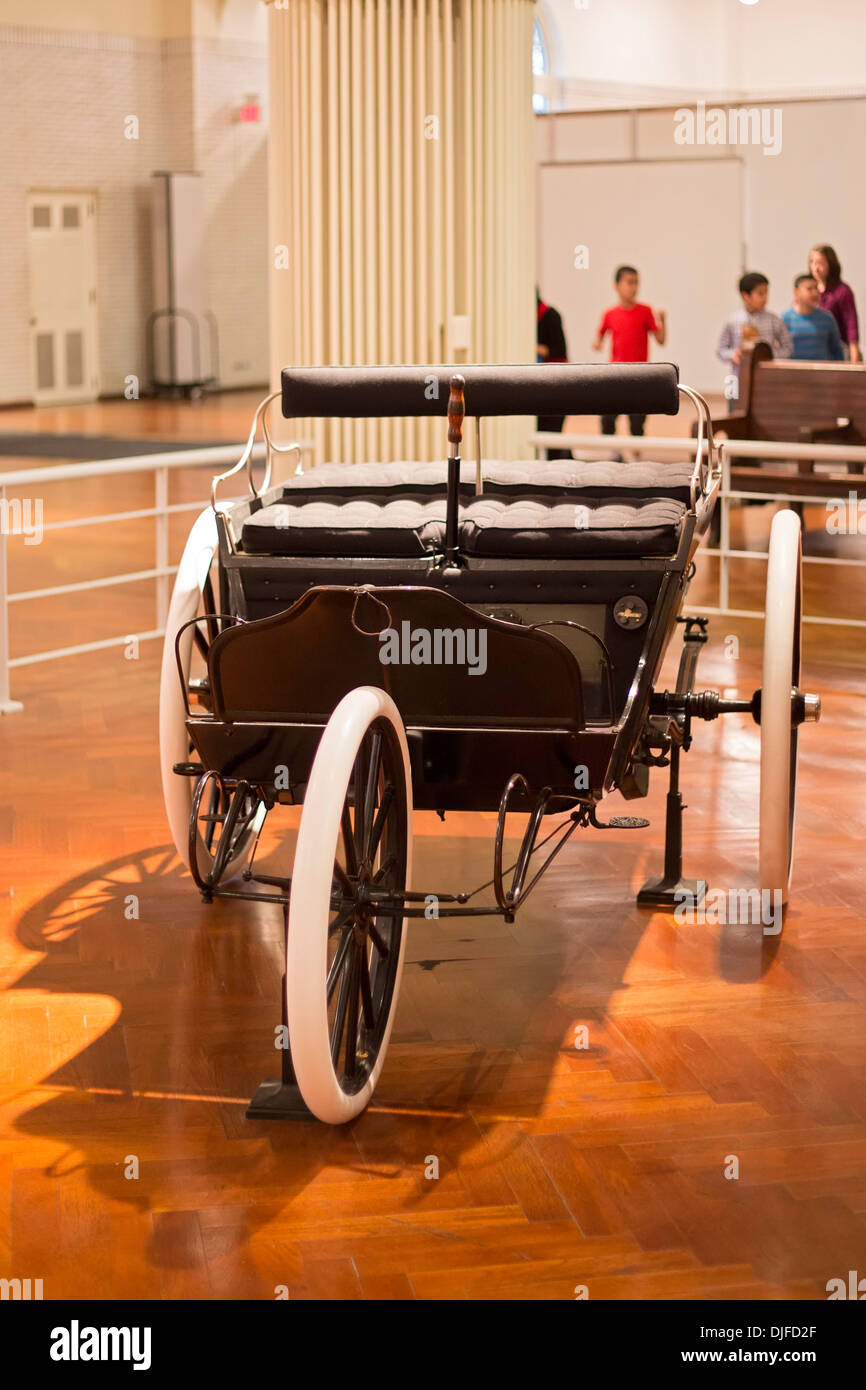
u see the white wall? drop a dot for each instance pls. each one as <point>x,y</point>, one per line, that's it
<point>233,160</point>
<point>134,18</point>
<point>806,193</point>
<point>229,19</point>
<point>64,95</point>
<point>647,43</point>
<point>633,50</point>
<point>813,192</point>
<point>640,214</point>
<point>788,46</point>
<point>226,19</point>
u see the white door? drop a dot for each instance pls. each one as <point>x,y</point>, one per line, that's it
<point>63,328</point>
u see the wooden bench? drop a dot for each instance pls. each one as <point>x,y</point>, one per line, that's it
<point>797,403</point>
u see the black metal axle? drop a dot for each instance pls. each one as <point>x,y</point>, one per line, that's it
<point>709,704</point>
<point>703,704</point>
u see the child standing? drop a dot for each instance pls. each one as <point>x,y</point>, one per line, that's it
<point>814,330</point>
<point>753,321</point>
<point>629,325</point>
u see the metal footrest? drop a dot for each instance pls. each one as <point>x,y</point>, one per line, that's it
<point>627,823</point>
<point>278,1100</point>
<point>672,892</point>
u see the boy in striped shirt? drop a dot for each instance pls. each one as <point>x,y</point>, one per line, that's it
<point>748,324</point>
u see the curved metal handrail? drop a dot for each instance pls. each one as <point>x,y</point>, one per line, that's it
<point>246,457</point>
<point>227,618</point>
<point>704,479</point>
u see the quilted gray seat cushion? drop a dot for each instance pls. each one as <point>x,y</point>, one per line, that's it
<point>599,476</point>
<point>558,530</point>
<point>553,509</point>
<point>404,526</point>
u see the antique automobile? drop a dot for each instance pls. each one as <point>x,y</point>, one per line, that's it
<point>366,639</point>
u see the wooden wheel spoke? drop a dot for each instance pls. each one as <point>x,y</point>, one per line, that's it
<point>358,799</point>
<point>342,1003</point>
<point>378,940</point>
<point>337,965</point>
<point>348,839</point>
<point>366,992</point>
<point>346,885</point>
<point>352,1010</point>
<point>371,789</point>
<point>384,868</point>
<point>344,917</point>
<point>381,817</point>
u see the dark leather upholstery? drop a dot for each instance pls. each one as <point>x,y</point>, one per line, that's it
<point>549,510</point>
<point>514,389</point>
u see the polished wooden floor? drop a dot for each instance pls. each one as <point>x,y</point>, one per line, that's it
<point>132,1044</point>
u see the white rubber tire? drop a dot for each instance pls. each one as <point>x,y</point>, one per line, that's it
<point>780,673</point>
<point>312,876</point>
<point>195,565</point>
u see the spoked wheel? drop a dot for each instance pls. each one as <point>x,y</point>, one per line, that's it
<point>783,706</point>
<point>345,945</point>
<point>220,823</point>
<point>194,593</point>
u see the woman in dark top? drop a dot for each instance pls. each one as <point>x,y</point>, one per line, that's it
<point>551,348</point>
<point>836,297</point>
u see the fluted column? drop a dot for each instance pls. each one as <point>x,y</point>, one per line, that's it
<point>402,200</point>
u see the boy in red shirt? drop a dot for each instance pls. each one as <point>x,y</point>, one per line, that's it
<point>629,326</point>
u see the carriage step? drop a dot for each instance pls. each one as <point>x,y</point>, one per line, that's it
<point>278,1100</point>
<point>626,823</point>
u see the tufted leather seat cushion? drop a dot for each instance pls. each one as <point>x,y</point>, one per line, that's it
<point>599,476</point>
<point>399,527</point>
<point>529,528</point>
<point>556,509</point>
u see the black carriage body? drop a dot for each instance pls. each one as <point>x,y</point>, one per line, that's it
<point>599,554</point>
<point>462,767</point>
<point>468,727</point>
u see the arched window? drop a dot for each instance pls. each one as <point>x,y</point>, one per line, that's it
<point>540,66</point>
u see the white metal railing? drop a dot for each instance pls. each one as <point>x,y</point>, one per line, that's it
<point>732,448</point>
<point>161,464</point>
<point>158,464</point>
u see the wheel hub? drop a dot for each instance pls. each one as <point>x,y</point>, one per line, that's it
<point>363,909</point>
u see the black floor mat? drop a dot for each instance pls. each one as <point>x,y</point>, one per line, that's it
<point>94,446</point>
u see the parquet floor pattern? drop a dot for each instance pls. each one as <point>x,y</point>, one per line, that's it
<point>139,1039</point>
